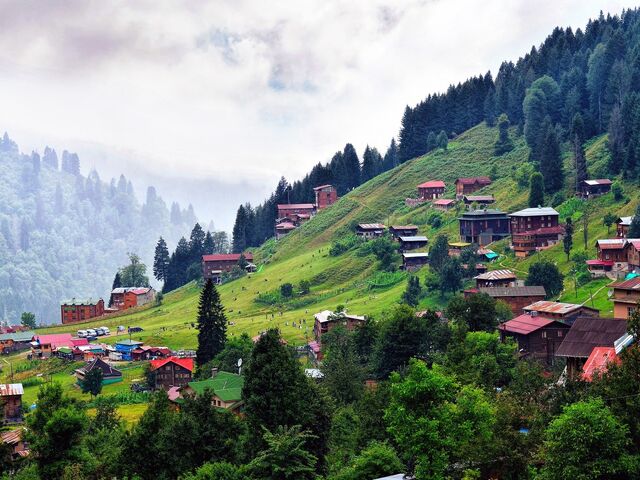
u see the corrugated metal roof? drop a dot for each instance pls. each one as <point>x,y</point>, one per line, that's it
<point>586,333</point>
<point>56,340</point>
<point>534,212</point>
<point>432,184</point>
<point>12,436</point>
<point>624,221</point>
<point>482,212</point>
<point>7,389</point>
<point>371,226</point>
<point>531,291</point>
<point>554,307</point>
<point>183,362</point>
<point>404,227</point>
<point>599,181</point>
<point>17,336</point>
<point>631,284</point>
<point>611,243</point>
<point>472,180</point>
<point>285,226</point>
<point>299,206</point>
<point>525,324</point>
<point>327,316</point>
<point>496,275</point>
<point>83,301</point>
<point>479,198</point>
<point>444,201</point>
<point>416,238</point>
<point>415,255</point>
<point>598,361</point>
<point>322,186</point>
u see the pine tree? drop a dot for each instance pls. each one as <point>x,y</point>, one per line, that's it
<point>432,141</point>
<point>117,283</point>
<point>391,156</point>
<point>577,131</point>
<point>536,190</point>
<point>615,141</point>
<point>411,295</point>
<point>551,162</point>
<point>490,108</point>
<point>568,237</point>
<point>351,164</point>
<point>439,252</point>
<point>161,260</point>
<point>212,324</point>
<point>442,140</point>
<point>504,143</point>
<point>196,243</point>
<point>240,243</point>
<point>209,245</point>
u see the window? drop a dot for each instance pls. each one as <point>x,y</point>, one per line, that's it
<point>544,334</point>
<point>559,333</point>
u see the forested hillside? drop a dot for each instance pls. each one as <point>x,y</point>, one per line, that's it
<point>64,235</point>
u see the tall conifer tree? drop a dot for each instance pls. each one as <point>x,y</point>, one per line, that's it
<point>161,260</point>
<point>212,324</point>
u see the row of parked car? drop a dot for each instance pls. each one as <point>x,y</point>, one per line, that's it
<point>93,332</point>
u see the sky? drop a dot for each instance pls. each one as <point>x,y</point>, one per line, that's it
<point>213,101</point>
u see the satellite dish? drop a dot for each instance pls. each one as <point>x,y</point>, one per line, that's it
<point>239,362</point>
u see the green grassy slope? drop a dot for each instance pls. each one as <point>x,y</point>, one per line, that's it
<point>303,255</point>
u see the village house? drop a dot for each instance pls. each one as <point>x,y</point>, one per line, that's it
<point>622,226</point>
<point>414,260</point>
<point>565,312</point>
<point>147,352</point>
<point>225,388</point>
<point>626,294</point>
<point>123,298</point>
<point>125,348</point>
<point>215,264</point>
<point>480,200</point>
<point>73,310</point>
<point>326,195</point>
<point>612,249</point>
<point>370,230</point>
<point>633,254</point>
<point>298,212</point>
<point>496,278</point>
<point>15,342</point>
<point>327,320</point>
<point>19,448</point>
<point>534,229</point>
<point>172,372</point>
<point>43,346</point>
<point>585,334</point>
<point>282,229</point>
<point>11,398</point>
<point>412,243</point>
<point>598,362</point>
<point>465,186</point>
<point>109,374</point>
<point>516,297</point>
<point>537,337</point>
<point>444,204</point>
<point>431,190</point>
<point>593,188</point>
<point>483,226</point>
<point>403,231</point>
<point>315,351</point>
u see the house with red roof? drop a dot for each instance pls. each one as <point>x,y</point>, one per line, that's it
<point>123,298</point>
<point>537,337</point>
<point>300,211</point>
<point>172,372</point>
<point>467,185</point>
<point>431,190</point>
<point>43,346</point>
<point>598,362</point>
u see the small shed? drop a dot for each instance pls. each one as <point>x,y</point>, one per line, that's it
<point>403,230</point>
<point>594,188</point>
<point>412,243</point>
<point>444,204</point>
<point>496,278</point>
<point>126,346</point>
<point>414,260</point>
<point>370,230</point>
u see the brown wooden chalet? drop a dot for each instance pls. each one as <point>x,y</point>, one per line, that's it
<point>585,334</point>
<point>327,320</point>
<point>622,226</point>
<point>516,297</point>
<point>537,337</point>
<point>633,254</point>
<point>414,260</point>
<point>326,195</point>
<point>283,228</point>
<point>481,200</point>
<point>172,372</point>
<point>213,265</point>
<point>534,229</point>
<point>296,211</point>
<point>16,443</point>
<point>109,373</point>
<point>370,230</point>
<point>613,249</point>
<point>593,188</point>
<point>444,204</point>
<point>483,226</point>
<point>412,243</point>
<point>11,398</point>
<point>431,190</point>
<point>467,185</point>
<point>496,278</point>
<point>403,230</point>
<point>626,295</point>
<point>565,312</point>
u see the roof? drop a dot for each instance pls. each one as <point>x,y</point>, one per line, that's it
<point>129,343</point>
<point>482,212</point>
<point>611,243</point>
<point>600,263</point>
<point>496,275</point>
<point>634,242</point>
<point>226,386</point>
<point>534,212</point>
<point>599,181</point>
<point>541,231</point>
<point>415,255</point>
<point>7,389</point>
<point>444,201</point>
<point>314,346</point>
<point>183,362</point>
<point>285,226</point>
<point>322,186</point>
<point>472,180</point>
<point>459,244</point>
<point>625,220</point>
<point>227,257</point>
<point>403,227</point>
<point>12,436</point>
<point>327,316</point>
<point>416,238</point>
<point>525,324</point>
<point>598,361</point>
<point>82,301</point>
<point>313,373</point>
<point>586,333</point>
<point>555,307</point>
<point>631,284</point>
<point>289,206</point>
<point>107,369</point>
<point>76,342</point>
<point>18,336</point>
<point>371,226</point>
<point>531,291</point>
<point>432,184</point>
<point>479,198</point>
<point>55,340</point>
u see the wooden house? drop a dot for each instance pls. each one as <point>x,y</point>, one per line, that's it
<point>327,320</point>
<point>16,341</point>
<point>467,185</point>
<point>414,260</point>
<point>172,372</point>
<point>403,230</point>
<point>215,264</point>
<point>585,334</point>
<point>564,312</point>
<point>480,200</point>
<point>496,278</point>
<point>125,347</point>
<point>297,211</point>
<point>18,446</point>
<point>622,226</point>
<point>109,374</point>
<point>11,398</point>
<point>626,295</point>
<point>283,228</point>
<point>593,188</point>
<point>123,298</point>
<point>537,337</point>
<point>225,388</point>
<point>412,243</point>
<point>73,310</point>
<point>370,230</point>
<point>147,352</point>
<point>43,346</point>
<point>326,195</point>
<point>534,229</point>
<point>444,204</point>
<point>483,226</point>
<point>633,254</point>
<point>614,249</point>
<point>431,190</point>
<point>516,297</point>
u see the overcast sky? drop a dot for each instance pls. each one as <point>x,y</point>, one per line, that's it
<point>213,101</point>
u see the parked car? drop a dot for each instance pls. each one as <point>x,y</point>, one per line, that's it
<point>99,331</point>
<point>106,330</point>
<point>92,333</point>
<point>135,329</point>
<point>81,333</point>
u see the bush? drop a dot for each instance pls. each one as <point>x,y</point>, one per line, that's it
<point>344,244</point>
<point>558,198</point>
<point>305,287</point>
<point>286,290</point>
<point>618,192</point>
<point>523,174</point>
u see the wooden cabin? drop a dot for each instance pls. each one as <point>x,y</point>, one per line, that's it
<point>534,229</point>
<point>564,312</point>
<point>537,337</point>
<point>483,226</point>
<point>109,373</point>
<point>11,398</point>
<point>622,226</point>
<point>370,230</point>
<point>225,389</point>
<point>412,243</point>
<point>171,372</point>
<point>73,310</point>
<point>16,341</point>
<point>414,260</point>
<point>123,298</point>
<point>301,211</point>
<point>467,185</point>
<point>444,204</point>
<point>284,228</point>
<point>214,265</point>
<point>496,278</point>
<point>431,190</point>
<point>326,195</point>
<point>516,297</point>
<point>403,230</point>
<point>327,320</point>
<point>593,188</point>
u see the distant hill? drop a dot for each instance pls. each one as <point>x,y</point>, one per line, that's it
<point>63,235</point>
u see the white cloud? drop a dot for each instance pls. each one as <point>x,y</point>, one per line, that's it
<point>246,89</point>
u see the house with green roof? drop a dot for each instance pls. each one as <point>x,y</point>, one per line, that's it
<point>225,388</point>
<point>11,342</point>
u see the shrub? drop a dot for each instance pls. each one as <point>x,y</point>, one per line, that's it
<point>286,290</point>
<point>618,192</point>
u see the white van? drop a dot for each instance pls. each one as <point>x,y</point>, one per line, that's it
<point>106,330</point>
<point>82,333</point>
<point>91,333</point>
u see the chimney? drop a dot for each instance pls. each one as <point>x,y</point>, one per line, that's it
<point>214,372</point>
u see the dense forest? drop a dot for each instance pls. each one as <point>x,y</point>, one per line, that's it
<point>572,87</point>
<point>63,235</point>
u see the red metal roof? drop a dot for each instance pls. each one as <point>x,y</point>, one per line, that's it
<point>525,324</point>
<point>444,201</point>
<point>472,180</point>
<point>600,263</point>
<point>599,361</point>
<point>631,284</point>
<point>291,206</point>
<point>183,362</point>
<point>612,244</point>
<point>76,342</point>
<point>285,226</point>
<point>432,184</point>
<point>56,340</point>
<point>229,257</point>
<point>9,389</point>
<point>598,181</point>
